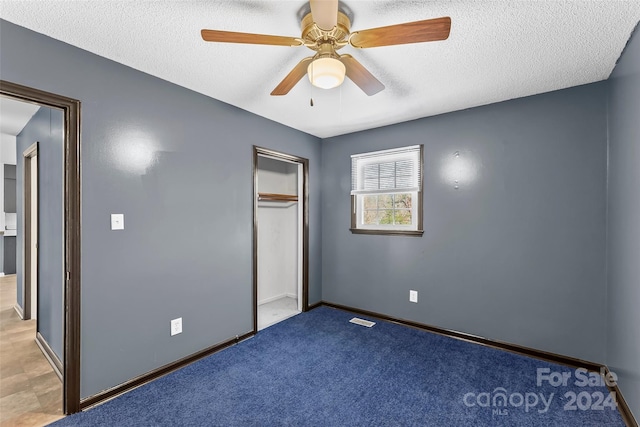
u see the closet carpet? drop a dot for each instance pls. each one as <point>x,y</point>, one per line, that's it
<point>317,369</point>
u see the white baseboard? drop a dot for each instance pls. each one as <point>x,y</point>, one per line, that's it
<point>49,354</point>
<point>271,299</point>
<point>18,310</point>
<point>277,297</point>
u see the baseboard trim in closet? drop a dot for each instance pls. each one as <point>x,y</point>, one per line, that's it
<point>277,297</point>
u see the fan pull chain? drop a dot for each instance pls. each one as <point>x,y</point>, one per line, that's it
<point>311,88</point>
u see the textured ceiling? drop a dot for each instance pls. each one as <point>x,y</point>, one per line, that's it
<point>14,115</point>
<point>497,50</point>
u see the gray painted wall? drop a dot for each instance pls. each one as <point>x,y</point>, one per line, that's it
<point>8,257</point>
<point>623,291</point>
<point>9,254</point>
<point>178,165</point>
<point>10,188</point>
<point>516,254</point>
<point>45,127</point>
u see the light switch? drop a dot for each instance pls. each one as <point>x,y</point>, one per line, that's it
<point>413,296</point>
<point>117,221</point>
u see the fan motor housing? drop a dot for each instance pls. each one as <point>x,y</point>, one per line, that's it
<point>316,37</point>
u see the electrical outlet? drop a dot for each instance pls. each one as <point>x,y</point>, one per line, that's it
<point>176,326</point>
<point>413,296</point>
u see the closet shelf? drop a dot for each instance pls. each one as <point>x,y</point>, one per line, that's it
<point>275,197</point>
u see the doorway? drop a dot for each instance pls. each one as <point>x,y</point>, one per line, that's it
<point>30,274</point>
<point>70,280</point>
<point>280,236</point>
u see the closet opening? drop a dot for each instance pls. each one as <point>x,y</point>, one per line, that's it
<point>280,236</point>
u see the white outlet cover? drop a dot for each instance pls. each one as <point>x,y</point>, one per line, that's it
<point>413,296</point>
<point>117,221</point>
<point>176,326</point>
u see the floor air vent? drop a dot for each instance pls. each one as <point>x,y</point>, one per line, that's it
<point>362,322</point>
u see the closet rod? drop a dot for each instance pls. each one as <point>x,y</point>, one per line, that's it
<point>275,197</point>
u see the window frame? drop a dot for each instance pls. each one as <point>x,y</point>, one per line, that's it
<point>391,230</point>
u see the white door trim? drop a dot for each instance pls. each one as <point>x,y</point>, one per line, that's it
<point>28,228</point>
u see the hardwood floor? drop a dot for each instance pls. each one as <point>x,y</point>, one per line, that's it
<point>30,391</point>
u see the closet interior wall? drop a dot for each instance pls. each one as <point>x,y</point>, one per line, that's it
<point>278,275</point>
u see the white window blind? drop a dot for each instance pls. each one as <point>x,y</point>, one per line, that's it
<point>387,171</point>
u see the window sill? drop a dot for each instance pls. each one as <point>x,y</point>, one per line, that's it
<point>415,233</point>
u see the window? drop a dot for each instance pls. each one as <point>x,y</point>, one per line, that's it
<point>386,191</point>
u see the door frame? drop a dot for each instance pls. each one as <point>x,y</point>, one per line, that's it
<point>27,295</point>
<point>72,228</point>
<point>260,151</point>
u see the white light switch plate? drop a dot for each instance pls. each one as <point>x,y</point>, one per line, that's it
<point>176,326</point>
<point>117,221</point>
<point>413,296</point>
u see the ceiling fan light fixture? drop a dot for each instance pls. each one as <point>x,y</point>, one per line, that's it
<point>326,73</point>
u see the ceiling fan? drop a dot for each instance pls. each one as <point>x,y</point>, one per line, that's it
<point>325,30</point>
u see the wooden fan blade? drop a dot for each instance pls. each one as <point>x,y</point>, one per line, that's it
<point>361,76</point>
<point>292,78</point>
<point>325,13</point>
<point>410,32</point>
<point>248,38</point>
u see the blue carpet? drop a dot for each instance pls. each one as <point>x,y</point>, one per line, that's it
<point>316,369</point>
